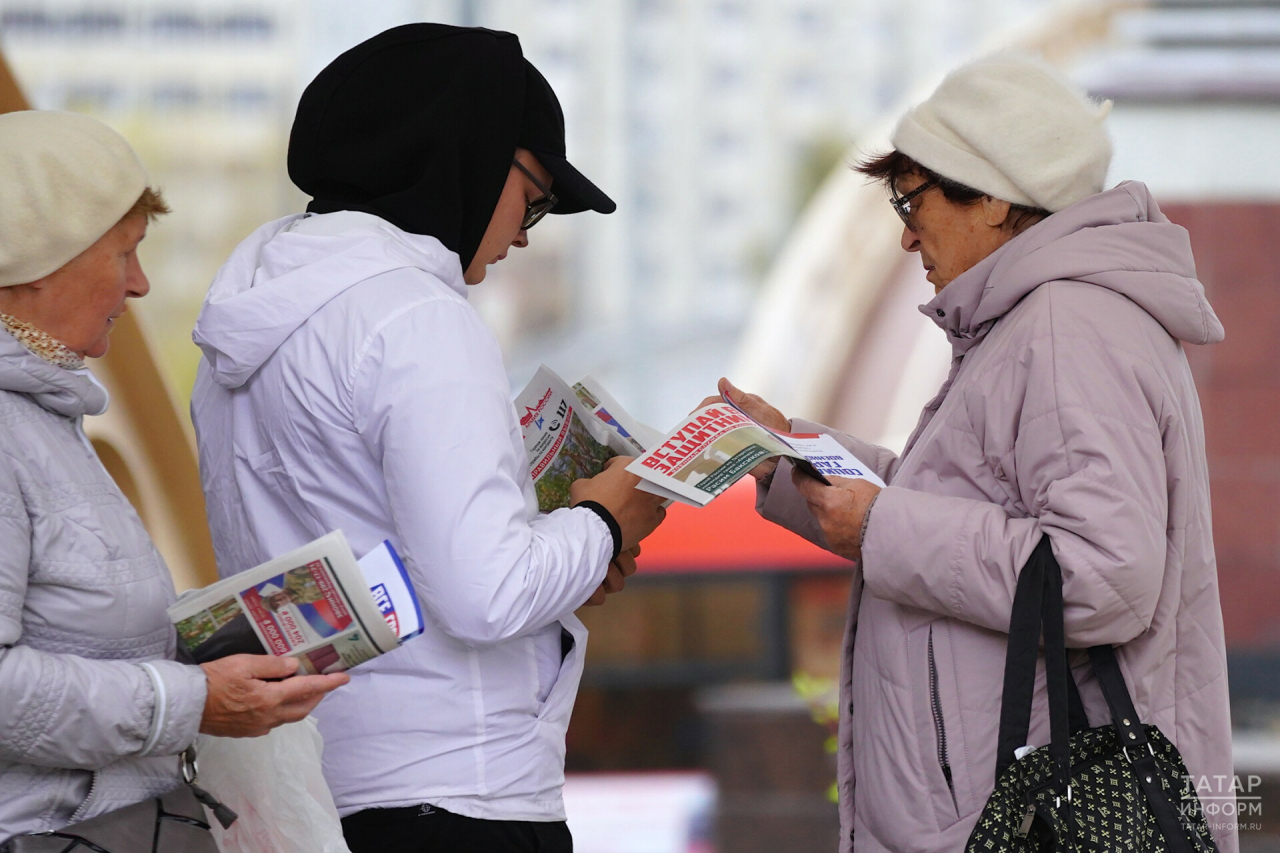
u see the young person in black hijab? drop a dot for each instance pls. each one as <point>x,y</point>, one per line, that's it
<point>347,384</point>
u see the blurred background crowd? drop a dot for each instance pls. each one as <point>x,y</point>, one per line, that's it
<point>742,245</point>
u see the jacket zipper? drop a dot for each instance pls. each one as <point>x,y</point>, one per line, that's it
<point>88,800</point>
<point>940,730</point>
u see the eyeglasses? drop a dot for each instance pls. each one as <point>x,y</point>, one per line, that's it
<point>902,203</point>
<point>539,207</point>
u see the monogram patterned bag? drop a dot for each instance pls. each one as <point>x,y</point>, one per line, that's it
<point>1120,787</point>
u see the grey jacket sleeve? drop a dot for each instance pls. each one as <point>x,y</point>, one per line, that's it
<point>63,710</point>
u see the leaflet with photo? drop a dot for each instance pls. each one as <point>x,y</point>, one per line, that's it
<point>719,444</point>
<point>316,603</point>
<point>627,436</point>
<point>571,432</point>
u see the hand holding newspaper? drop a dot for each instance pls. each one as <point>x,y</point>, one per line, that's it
<point>570,433</point>
<point>717,445</point>
<point>317,604</point>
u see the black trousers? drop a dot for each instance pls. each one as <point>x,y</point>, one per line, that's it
<point>426,829</point>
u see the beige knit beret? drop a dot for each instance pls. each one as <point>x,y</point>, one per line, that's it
<point>65,180</point>
<point>1014,128</point>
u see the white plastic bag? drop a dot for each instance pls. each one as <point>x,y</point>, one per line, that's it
<point>274,784</point>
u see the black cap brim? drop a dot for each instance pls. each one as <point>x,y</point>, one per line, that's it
<point>573,189</point>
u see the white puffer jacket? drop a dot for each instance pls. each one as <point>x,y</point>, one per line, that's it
<point>92,711</point>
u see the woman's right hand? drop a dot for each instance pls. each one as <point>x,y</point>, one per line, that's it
<point>242,703</point>
<point>757,408</point>
<point>638,513</point>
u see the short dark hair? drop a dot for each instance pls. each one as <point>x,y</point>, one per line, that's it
<point>888,168</point>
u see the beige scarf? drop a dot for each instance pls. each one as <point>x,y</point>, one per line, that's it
<point>42,344</point>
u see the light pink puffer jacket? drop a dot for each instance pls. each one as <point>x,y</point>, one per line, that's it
<point>1069,411</point>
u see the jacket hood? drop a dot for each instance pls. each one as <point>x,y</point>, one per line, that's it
<point>279,276</point>
<point>1116,239</point>
<point>70,393</point>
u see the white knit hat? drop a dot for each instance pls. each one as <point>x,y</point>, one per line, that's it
<point>1013,128</point>
<point>65,180</point>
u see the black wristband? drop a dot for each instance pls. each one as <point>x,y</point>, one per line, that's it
<point>607,517</point>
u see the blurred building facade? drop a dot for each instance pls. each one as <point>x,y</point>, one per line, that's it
<point>709,121</point>
<point>204,92</point>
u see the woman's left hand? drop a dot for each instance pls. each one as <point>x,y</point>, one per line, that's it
<point>839,509</point>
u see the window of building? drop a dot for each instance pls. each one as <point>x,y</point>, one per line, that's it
<point>248,97</point>
<point>176,96</point>
<point>246,26</point>
<point>24,21</point>
<point>177,24</point>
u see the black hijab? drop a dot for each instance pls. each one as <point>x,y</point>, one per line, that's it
<point>418,125</point>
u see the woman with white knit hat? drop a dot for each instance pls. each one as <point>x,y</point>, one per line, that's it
<point>94,711</point>
<point>1069,413</point>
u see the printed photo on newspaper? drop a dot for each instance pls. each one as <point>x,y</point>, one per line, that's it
<point>571,432</point>
<point>316,603</point>
<point>718,445</point>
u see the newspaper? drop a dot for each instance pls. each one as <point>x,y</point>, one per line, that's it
<point>717,445</point>
<point>626,435</point>
<point>571,432</point>
<point>317,604</point>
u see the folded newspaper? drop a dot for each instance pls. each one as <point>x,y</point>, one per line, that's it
<point>570,433</point>
<point>718,445</point>
<point>317,604</point>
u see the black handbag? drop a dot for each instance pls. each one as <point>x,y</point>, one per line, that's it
<point>172,823</point>
<point>1119,787</point>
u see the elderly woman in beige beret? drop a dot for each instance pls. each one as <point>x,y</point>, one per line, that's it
<point>94,710</point>
<point>1069,414</point>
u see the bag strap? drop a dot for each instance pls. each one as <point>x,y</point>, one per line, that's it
<point>1055,669</point>
<point>1075,706</point>
<point>1123,716</point>
<point>1133,739</point>
<point>1037,607</point>
<point>1020,665</point>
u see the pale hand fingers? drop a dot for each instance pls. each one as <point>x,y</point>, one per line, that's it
<point>258,666</point>
<point>710,401</point>
<point>755,406</point>
<point>303,691</point>
<point>303,687</point>
<point>851,484</point>
<point>295,711</point>
<point>809,488</point>
<point>294,699</point>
